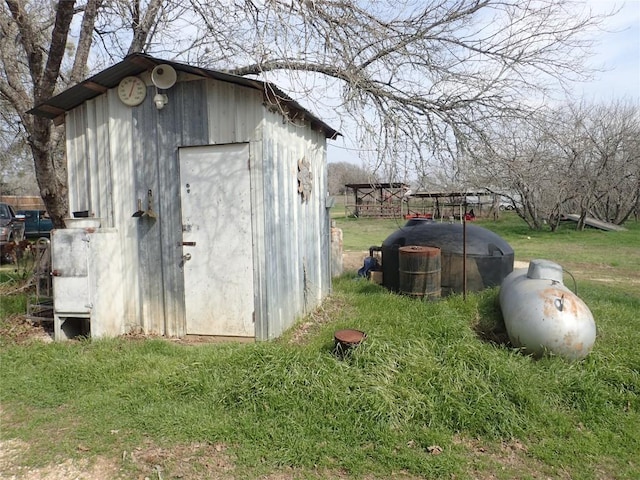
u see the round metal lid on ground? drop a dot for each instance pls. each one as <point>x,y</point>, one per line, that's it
<point>346,339</point>
<point>349,337</point>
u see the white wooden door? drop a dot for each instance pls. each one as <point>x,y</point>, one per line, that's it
<point>217,240</point>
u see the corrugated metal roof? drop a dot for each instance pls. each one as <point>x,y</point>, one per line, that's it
<point>137,63</point>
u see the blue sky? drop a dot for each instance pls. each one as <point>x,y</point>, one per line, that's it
<point>616,53</point>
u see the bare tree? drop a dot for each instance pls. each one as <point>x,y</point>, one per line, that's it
<point>341,173</point>
<point>424,77</point>
<point>601,145</point>
<point>417,80</point>
<point>577,158</point>
<point>39,57</point>
<point>515,162</point>
<point>16,166</point>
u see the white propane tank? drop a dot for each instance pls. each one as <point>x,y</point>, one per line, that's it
<point>541,315</point>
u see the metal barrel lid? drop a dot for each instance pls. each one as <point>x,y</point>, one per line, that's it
<point>349,336</point>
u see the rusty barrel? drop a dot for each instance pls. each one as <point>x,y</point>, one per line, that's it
<point>419,269</point>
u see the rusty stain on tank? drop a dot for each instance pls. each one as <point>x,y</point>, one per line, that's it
<point>569,305</point>
<point>569,339</point>
<point>542,315</point>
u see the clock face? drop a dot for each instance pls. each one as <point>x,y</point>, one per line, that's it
<point>132,91</point>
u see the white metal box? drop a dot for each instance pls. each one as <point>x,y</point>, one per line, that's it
<point>86,265</point>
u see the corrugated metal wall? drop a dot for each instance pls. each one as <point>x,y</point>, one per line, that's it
<point>296,234</point>
<point>117,154</point>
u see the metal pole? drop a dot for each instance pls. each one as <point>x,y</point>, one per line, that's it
<point>464,253</point>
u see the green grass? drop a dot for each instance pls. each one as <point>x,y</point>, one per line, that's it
<point>11,275</point>
<point>428,374</point>
<point>10,302</point>
<point>362,233</point>
<point>424,377</point>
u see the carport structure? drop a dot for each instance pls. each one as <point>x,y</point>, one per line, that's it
<point>382,200</point>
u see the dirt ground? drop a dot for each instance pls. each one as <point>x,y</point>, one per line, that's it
<point>203,461</point>
<point>352,261</point>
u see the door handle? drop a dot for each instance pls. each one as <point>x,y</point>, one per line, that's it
<point>186,257</point>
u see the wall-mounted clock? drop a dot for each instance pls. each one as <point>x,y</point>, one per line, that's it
<point>132,91</point>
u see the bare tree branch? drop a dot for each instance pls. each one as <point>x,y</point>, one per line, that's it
<point>143,26</point>
<point>421,83</point>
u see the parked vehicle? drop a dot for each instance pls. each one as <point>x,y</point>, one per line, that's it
<point>37,223</point>
<point>11,230</point>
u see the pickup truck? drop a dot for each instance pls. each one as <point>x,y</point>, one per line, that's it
<point>11,230</point>
<point>37,223</point>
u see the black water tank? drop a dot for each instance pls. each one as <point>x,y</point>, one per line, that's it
<point>489,256</point>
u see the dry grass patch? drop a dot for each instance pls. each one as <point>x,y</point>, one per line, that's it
<point>90,468</point>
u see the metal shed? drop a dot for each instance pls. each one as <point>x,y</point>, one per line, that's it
<point>215,201</point>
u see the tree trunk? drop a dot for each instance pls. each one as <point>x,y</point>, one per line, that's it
<point>51,169</point>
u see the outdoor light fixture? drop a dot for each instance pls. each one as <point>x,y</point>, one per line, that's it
<point>160,100</point>
<point>163,77</point>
